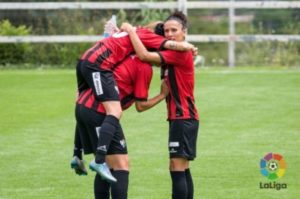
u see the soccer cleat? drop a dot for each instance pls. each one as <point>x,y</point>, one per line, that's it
<point>78,166</point>
<point>103,171</point>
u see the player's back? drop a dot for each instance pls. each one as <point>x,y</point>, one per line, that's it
<point>108,52</point>
<point>133,78</point>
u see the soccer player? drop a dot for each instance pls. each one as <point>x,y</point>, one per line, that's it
<point>94,70</point>
<point>178,71</point>
<point>133,78</point>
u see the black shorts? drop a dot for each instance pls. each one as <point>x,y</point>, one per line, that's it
<point>183,138</point>
<point>89,123</point>
<point>102,82</point>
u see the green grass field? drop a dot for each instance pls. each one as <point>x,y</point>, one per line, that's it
<point>245,113</point>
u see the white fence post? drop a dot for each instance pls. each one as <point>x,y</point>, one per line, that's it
<point>231,42</point>
<point>182,6</point>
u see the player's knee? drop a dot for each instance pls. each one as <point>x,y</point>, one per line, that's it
<point>178,164</point>
<point>115,113</point>
<point>113,108</point>
<point>118,162</point>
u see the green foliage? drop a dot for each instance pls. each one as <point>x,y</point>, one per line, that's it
<point>213,53</point>
<point>278,21</point>
<point>268,54</point>
<point>199,23</point>
<point>12,53</point>
<point>57,55</point>
<point>142,17</point>
<point>6,28</point>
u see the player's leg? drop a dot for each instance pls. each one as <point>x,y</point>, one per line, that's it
<point>101,188</point>
<point>110,100</point>
<point>191,134</point>
<point>93,120</point>
<point>182,149</point>
<point>177,162</point>
<point>105,91</point>
<point>108,128</point>
<point>77,163</point>
<point>117,158</point>
<point>77,144</point>
<point>179,183</point>
<point>106,134</point>
<point>189,183</point>
<point>182,180</point>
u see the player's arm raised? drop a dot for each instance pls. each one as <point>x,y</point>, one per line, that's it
<point>153,57</point>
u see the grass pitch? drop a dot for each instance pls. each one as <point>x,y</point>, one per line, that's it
<point>245,113</point>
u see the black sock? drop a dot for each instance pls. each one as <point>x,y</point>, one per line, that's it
<point>119,190</point>
<point>190,184</point>
<point>101,188</point>
<point>179,185</point>
<point>106,134</point>
<point>77,144</point>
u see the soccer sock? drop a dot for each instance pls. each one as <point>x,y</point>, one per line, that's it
<point>179,185</point>
<point>119,190</point>
<point>107,131</point>
<point>190,184</point>
<point>101,188</point>
<point>77,145</point>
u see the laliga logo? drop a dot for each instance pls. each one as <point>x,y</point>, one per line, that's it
<point>273,166</point>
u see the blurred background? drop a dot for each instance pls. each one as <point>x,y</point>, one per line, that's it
<point>202,21</point>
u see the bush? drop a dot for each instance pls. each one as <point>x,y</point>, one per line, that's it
<point>13,53</point>
<point>63,55</point>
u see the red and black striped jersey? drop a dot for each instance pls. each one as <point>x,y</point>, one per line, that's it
<point>178,70</point>
<point>133,78</point>
<point>108,52</point>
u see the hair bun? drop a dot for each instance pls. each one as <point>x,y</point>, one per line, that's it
<point>178,16</point>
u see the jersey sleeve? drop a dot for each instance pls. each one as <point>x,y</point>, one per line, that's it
<point>150,39</point>
<point>173,57</point>
<point>142,81</point>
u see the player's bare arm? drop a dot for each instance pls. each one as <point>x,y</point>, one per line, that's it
<point>145,105</point>
<point>180,46</point>
<point>140,50</point>
<point>153,57</point>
